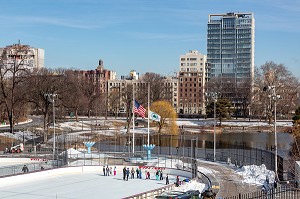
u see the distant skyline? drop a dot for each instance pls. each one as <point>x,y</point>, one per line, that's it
<point>143,35</point>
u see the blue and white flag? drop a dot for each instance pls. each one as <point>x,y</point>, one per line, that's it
<point>154,116</point>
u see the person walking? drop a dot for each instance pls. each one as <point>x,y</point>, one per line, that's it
<point>167,179</point>
<point>124,173</point>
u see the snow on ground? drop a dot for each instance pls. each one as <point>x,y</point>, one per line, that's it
<point>191,185</point>
<point>83,127</point>
<point>254,174</point>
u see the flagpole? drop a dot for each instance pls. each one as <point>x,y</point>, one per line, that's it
<point>133,118</point>
<point>148,112</point>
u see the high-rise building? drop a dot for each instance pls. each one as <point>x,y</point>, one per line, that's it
<point>24,55</point>
<point>191,82</point>
<point>230,52</point>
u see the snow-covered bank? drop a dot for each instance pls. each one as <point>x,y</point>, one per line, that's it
<point>254,174</point>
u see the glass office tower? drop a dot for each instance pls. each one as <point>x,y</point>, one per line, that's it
<point>230,55</point>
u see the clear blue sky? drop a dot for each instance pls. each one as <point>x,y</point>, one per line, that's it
<point>144,35</point>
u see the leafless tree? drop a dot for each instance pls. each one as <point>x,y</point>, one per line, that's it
<point>14,69</point>
<point>127,100</point>
<point>41,83</point>
<point>286,86</point>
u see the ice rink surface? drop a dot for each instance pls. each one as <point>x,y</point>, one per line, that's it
<point>87,185</point>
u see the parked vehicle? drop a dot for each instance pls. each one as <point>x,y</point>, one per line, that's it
<point>15,149</point>
<point>191,194</point>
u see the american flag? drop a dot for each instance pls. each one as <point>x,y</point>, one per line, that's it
<point>139,109</point>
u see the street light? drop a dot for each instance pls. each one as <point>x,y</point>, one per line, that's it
<point>51,97</point>
<point>273,96</point>
<point>214,96</point>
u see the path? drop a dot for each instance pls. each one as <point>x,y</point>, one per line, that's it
<point>228,182</point>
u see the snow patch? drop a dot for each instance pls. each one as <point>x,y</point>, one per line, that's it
<point>254,174</point>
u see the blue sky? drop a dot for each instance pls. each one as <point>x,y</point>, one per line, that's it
<point>144,35</point>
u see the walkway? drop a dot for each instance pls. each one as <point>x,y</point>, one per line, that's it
<point>228,182</point>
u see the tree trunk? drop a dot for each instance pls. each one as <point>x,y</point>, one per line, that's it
<point>45,128</point>
<point>11,122</point>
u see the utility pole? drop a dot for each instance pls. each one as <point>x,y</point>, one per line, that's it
<point>273,96</point>
<point>51,97</point>
<point>214,96</point>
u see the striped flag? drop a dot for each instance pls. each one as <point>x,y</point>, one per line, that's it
<point>139,109</point>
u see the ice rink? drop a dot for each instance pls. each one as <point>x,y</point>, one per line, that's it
<point>74,183</point>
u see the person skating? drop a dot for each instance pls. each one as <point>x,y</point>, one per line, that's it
<point>137,172</point>
<point>132,173</point>
<point>127,174</point>
<point>115,171</point>
<point>148,174</point>
<point>107,170</point>
<point>167,179</point>
<point>25,169</point>
<point>110,170</point>
<point>161,175</point>
<point>140,173</point>
<point>177,183</point>
<point>104,170</point>
<point>157,174</point>
<point>124,173</point>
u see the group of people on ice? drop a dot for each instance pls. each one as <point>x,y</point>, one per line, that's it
<point>137,173</point>
<point>108,171</point>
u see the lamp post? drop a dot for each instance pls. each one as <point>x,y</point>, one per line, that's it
<point>214,96</point>
<point>51,97</point>
<point>273,96</point>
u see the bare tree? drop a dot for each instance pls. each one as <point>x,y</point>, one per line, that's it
<point>287,87</point>
<point>156,82</point>
<point>127,100</point>
<point>14,69</point>
<point>38,85</point>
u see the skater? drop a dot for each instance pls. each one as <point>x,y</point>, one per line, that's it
<point>124,173</point>
<point>115,171</point>
<point>25,169</point>
<point>110,170</point>
<point>107,170</point>
<point>167,179</point>
<point>148,174</point>
<point>140,173</point>
<point>127,174</point>
<point>161,176</point>
<point>137,172</point>
<point>104,170</point>
<point>157,174</point>
<point>177,183</point>
<point>132,173</point>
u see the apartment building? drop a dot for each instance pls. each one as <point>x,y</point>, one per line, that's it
<point>24,55</point>
<point>191,82</point>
